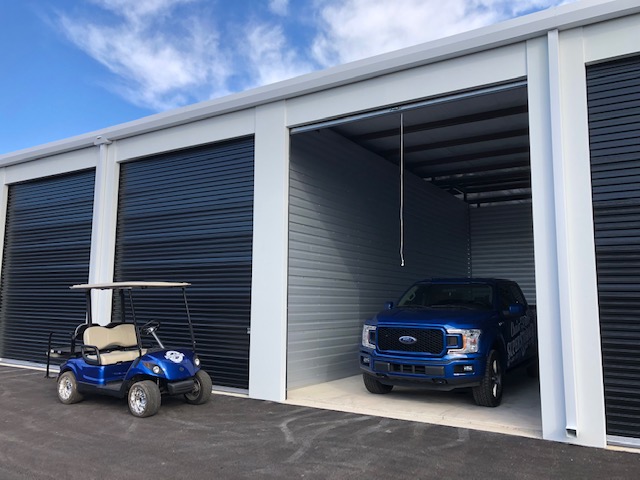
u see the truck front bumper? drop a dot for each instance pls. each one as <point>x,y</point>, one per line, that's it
<point>446,373</point>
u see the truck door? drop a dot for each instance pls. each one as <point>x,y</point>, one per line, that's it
<point>509,323</point>
<point>526,326</point>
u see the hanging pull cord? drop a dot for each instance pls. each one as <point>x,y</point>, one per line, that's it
<point>402,190</point>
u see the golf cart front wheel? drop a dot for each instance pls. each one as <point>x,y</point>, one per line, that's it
<point>68,389</point>
<point>144,399</point>
<point>201,389</point>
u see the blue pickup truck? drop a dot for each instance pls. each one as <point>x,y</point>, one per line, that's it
<point>451,333</point>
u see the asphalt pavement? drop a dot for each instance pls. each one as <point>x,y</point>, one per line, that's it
<point>239,438</point>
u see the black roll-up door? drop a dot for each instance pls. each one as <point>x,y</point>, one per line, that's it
<point>46,249</point>
<point>188,216</point>
<point>614,130</point>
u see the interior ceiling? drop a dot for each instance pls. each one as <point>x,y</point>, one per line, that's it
<point>476,147</point>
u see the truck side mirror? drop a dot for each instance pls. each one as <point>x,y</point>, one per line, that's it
<point>388,305</point>
<point>516,309</point>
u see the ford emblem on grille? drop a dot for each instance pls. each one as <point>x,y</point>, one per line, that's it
<point>408,339</point>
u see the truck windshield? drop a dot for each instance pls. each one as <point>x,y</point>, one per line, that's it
<point>473,296</point>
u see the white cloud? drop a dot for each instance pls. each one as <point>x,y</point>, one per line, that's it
<point>156,68</point>
<point>270,57</point>
<point>279,7</point>
<point>136,11</point>
<point>355,29</point>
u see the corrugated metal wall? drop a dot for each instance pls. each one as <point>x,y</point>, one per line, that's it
<point>188,216</point>
<point>344,257</point>
<point>46,249</point>
<point>502,245</point>
<point>613,90</point>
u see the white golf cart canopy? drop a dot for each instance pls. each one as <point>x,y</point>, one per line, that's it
<point>128,285</point>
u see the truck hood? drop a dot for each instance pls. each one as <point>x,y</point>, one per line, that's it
<point>457,318</point>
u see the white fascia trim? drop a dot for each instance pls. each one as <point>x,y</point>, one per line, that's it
<point>585,12</point>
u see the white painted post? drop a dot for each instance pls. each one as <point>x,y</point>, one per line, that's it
<point>103,233</point>
<point>584,390</point>
<point>268,347</point>
<point>552,399</point>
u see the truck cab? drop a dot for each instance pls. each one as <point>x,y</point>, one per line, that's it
<point>446,334</point>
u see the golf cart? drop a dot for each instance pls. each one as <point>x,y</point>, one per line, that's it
<point>112,360</point>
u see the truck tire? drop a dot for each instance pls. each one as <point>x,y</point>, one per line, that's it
<point>374,386</point>
<point>489,392</point>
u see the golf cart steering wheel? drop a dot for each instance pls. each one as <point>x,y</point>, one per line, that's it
<point>150,327</point>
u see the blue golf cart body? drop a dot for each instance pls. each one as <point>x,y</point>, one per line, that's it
<point>112,360</point>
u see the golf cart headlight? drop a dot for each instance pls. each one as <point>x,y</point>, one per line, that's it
<point>196,361</point>
<point>470,340</point>
<point>153,367</point>
<point>369,336</point>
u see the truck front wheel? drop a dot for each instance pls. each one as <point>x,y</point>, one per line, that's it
<point>374,386</point>
<point>489,392</point>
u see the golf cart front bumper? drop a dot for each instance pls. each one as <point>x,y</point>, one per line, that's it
<point>180,387</point>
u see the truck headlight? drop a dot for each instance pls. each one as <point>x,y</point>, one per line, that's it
<point>470,340</point>
<point>369,336</point>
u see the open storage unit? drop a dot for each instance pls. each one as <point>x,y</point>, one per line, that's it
<point>465,211</point>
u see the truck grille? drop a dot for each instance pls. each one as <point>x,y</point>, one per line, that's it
<point>428,340</point>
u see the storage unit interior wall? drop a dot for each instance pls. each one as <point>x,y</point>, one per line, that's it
<point>466,212</point>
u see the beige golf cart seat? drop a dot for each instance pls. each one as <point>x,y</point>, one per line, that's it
<point>114,344</point>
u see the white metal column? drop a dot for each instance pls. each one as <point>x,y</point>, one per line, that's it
<point>571,390</point>
<point>103,235</point>
<point>552,398</point>
<point>581,325</point>
<point>268,349</point>
<point>577,281</point>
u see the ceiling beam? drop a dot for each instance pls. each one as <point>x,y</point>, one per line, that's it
<point>491,137</point>
<point>499,198</point>
<point>449,122</point>
<point>471,180</point>
<point>421,164</point>
<point>495,187</point>
<point>522,163</point>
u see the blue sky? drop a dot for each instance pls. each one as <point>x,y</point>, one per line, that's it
<point>74,66</point>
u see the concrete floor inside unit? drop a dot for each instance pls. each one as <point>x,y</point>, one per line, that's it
<point>519,413</point>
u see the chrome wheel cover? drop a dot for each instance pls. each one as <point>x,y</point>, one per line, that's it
<point>137,400</point>
<point>496,379</point>
<point>65,388</point>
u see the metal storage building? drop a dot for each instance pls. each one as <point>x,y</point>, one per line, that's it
<point>521,149</point>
